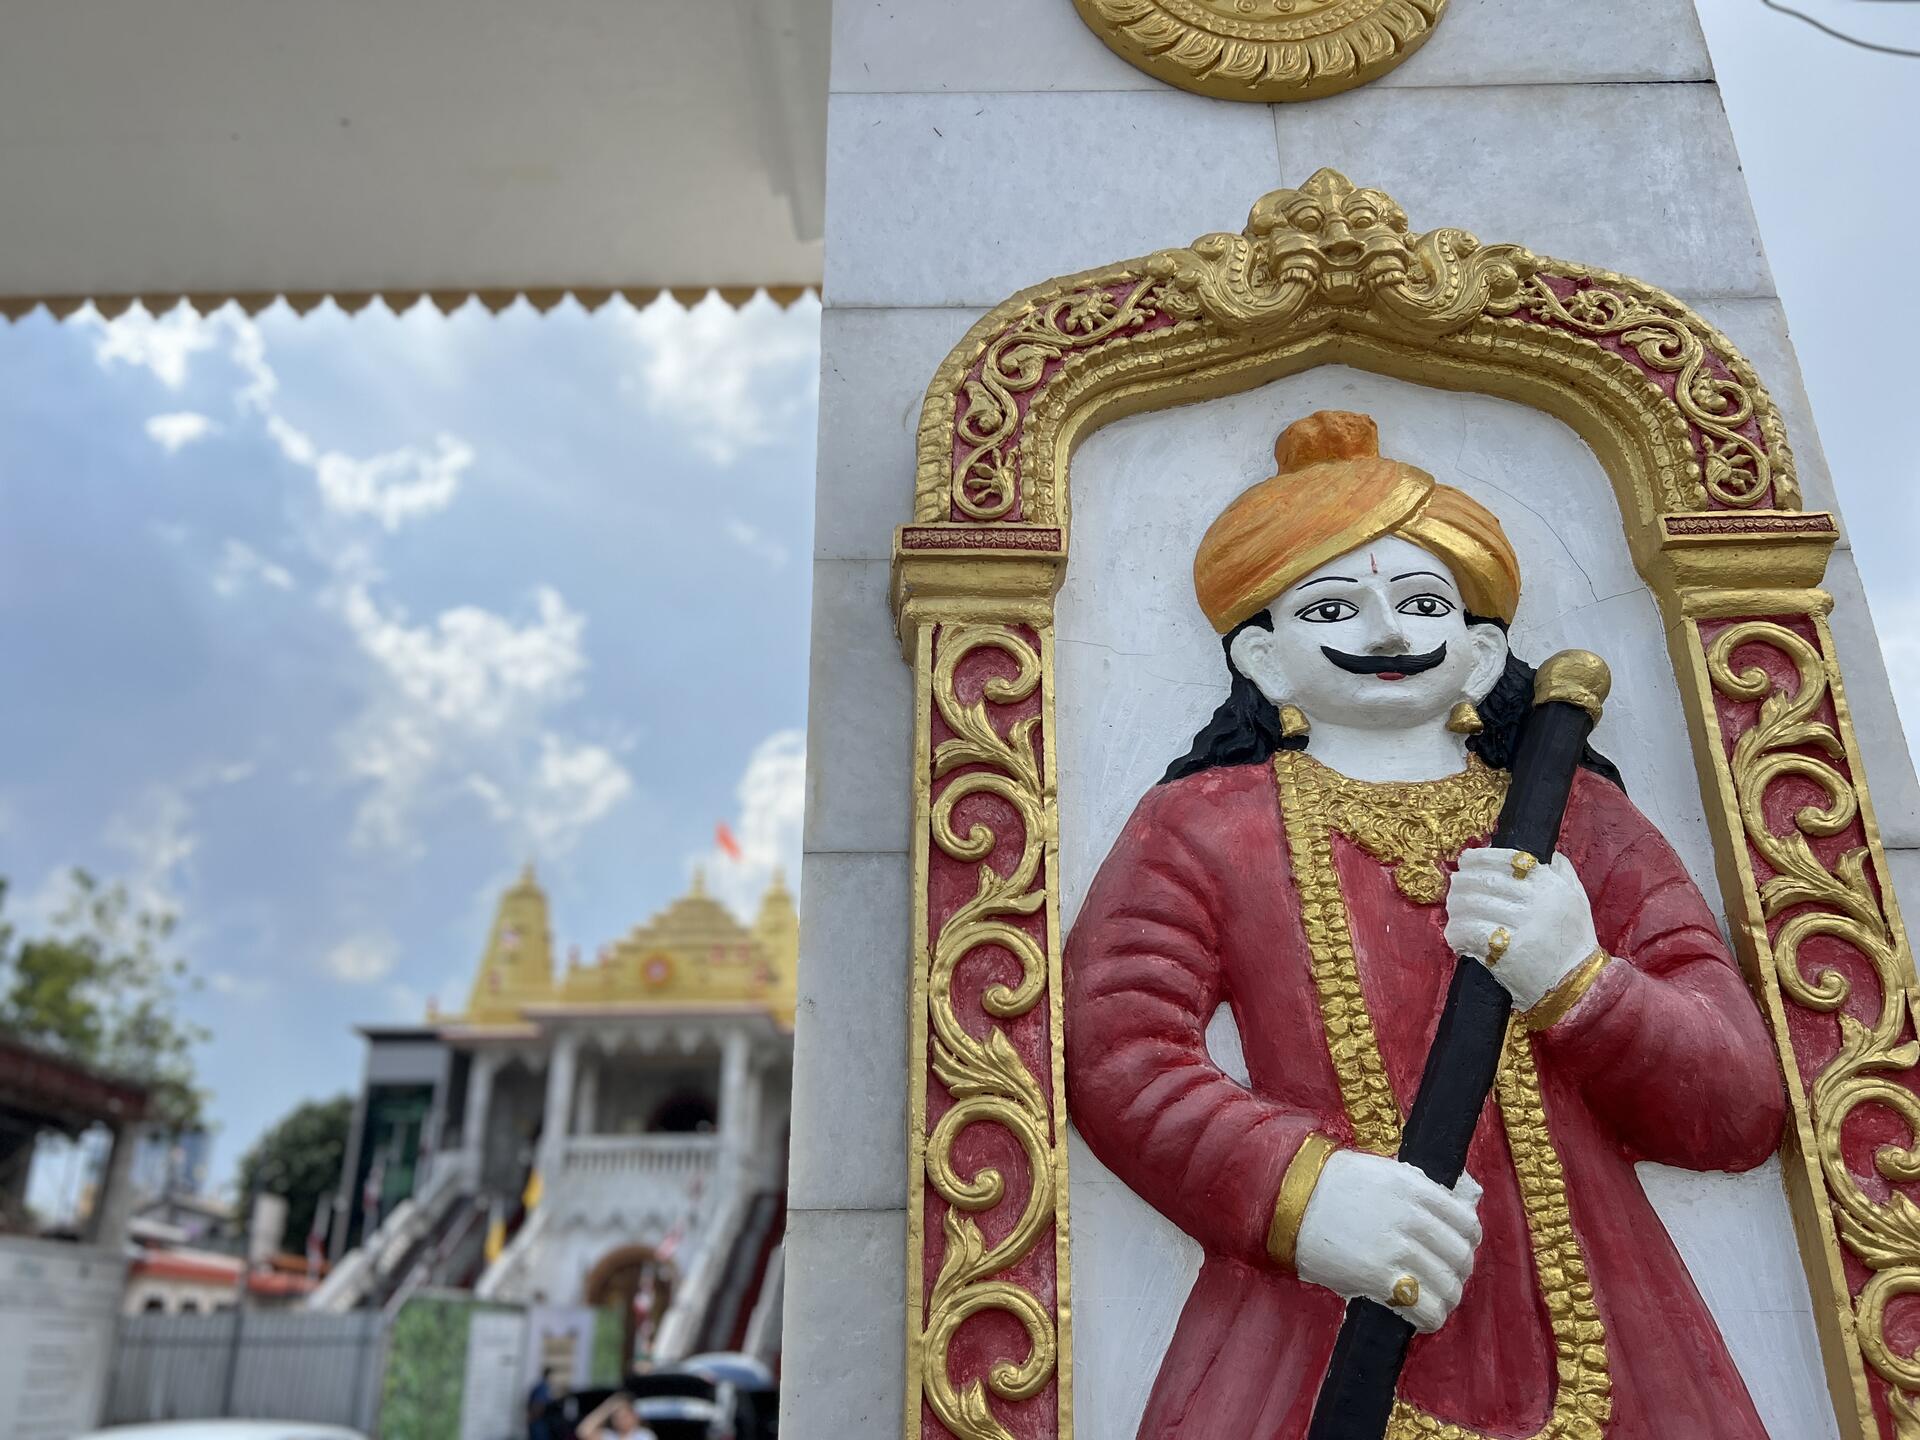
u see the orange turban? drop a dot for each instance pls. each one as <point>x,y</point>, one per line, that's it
<point>1333,494</point>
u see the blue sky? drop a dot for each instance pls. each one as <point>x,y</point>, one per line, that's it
<point>319,627</point>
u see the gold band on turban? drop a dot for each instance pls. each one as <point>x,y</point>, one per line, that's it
<point>1334,493</point>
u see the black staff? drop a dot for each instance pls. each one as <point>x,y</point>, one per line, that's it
<point>1356,1398</point>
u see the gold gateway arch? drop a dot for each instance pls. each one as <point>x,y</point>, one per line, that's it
<point>1331,273</point>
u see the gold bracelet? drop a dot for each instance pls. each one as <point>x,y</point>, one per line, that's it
<point>1296,1189</point>
<point>1553,1006</point>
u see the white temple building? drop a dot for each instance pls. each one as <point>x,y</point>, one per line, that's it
<point>614,1134</point>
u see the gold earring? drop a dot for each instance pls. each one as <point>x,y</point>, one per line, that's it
<point>1293,722</point>
<point>1464,719</point>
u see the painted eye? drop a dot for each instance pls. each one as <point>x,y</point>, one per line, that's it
<point>1327,612</point>
<point>1427,606</point>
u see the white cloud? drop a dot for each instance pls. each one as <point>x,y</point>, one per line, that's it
<point>176,430</point>
<point>756,542</point>
<point>238,987</point>
<point>472,667</point>
<point>241,566</point>
<point>730,377</point>
<point>163,347</point>
<point>463,706</point>
<point>395,757</point>
<point>249,352</point>
<point>772,799</point>
<point>391,487</point>
<point>34,911</point>
<point>361,959</point>
<point>158,837</point>
<point>573,786</point>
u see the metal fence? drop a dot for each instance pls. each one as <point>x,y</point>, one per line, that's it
<point>264,1365</point>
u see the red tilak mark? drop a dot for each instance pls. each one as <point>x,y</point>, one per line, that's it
<point>1374,560</point>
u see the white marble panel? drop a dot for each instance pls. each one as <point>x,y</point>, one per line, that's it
<point>1876,720</point>
<point>930,45</point>
<point>1641,179</point>
<point>859,714</point>
<point>850,1045</point>
<point>893,46</point>
<point>874,369</point>
<point>842,1331</point>
<point>963,199</point>
<point>1139,670</point>
<point>1758,328</point>
<point>944,200</point>
<point>1131,1273</point>
<point>1558,42</point>
<point>1736,1234</point>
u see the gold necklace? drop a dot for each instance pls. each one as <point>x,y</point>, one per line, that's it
<point>1414,826</point>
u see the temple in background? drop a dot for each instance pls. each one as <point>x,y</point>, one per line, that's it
<point>610,1133</point>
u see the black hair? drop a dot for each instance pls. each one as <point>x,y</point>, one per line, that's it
<point>1245,730</point>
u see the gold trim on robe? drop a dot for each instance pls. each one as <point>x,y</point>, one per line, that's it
<point>1415,827</point>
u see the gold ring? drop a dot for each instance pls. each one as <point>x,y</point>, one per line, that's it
<point>1524,865</point>
<point>1497,943</point>
<point>1405,1293</point>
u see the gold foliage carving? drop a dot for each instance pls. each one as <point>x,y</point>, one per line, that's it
<point>985,482</point>
<point>987,1079</point>
<point>1326,271</point>
<point>1332,242</point>
<point>1789,741</point>
<point>1264,50</point>
<point>1737,471</point>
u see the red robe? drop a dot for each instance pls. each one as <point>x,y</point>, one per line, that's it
<point>1665,1059</point>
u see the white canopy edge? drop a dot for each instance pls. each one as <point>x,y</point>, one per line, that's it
<point>254,150</point>
<point>13,307</point>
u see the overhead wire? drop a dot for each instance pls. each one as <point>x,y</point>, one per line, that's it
<point>1837,34</point>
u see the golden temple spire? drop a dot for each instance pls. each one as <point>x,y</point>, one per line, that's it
<point>516,968</point>
<point>776,930</point>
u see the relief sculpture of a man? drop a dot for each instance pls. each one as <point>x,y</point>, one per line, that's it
<point>1314,864</point>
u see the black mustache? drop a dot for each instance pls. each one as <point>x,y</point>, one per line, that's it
<point>1384,664</point>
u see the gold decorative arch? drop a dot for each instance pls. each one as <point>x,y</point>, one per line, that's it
<point>1265,50</point>
<point>1332,273</point>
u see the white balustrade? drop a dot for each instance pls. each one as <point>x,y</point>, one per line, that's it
<point>600,1175</point>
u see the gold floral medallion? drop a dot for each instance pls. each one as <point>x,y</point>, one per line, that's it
<point>1264,50</point>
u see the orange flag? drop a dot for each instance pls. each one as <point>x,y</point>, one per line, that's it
<point>723,837</point>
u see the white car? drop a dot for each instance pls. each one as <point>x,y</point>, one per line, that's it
<point>225,1430</point>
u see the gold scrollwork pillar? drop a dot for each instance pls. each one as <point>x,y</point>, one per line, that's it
<point>1813,915</point>
<point>987,1218</point>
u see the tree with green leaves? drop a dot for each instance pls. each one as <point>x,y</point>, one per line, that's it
<point>300,1159</point>
<point>103,987</point>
